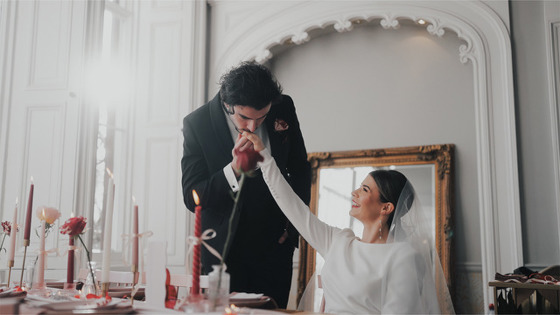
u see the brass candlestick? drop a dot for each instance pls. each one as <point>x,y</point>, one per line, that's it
<point>134,282</point>
<point>10,265</point>
<point>25,244</point>
<point>105,289</point>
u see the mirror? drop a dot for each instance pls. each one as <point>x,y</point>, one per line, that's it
<point>334,175</point>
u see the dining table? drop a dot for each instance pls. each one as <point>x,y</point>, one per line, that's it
<point>59,301</point>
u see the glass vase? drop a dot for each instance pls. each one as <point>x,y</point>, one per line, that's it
<point>218,288</point>
<point>90,285</point>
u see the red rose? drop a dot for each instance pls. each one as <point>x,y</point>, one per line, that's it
<point>247,160</point>
<point>73,226</point>
<point>6,227</point>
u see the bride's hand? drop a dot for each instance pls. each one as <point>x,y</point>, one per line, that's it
<point>258,144</point>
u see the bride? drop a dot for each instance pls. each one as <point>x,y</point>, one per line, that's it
<point>391,268</point>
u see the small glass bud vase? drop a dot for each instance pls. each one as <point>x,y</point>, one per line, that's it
<point>218,288</point>
<point>90,287</point>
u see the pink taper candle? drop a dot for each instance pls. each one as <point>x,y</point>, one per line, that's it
<point>108,228</point>
<point>41,268</point>
<point>13,236</point>
<point>135,236</point>
<point>196,254</point>
<point>27,233</point>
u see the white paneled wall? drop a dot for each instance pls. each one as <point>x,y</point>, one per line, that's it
<point>46,118</point>
<point>169,61</point>
<point>41,105</point>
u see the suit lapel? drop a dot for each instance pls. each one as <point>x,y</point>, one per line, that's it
<point>219,123</point>
<point>276,145</point>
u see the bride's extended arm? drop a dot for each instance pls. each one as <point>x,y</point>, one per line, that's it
<point>314,231</point>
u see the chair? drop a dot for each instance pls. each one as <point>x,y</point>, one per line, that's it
<point>185,281</point>
<point>116,278</point>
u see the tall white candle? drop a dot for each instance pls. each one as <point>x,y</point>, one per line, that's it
<point>12,249</point>
<point>106,266</point>
<point>41,269</point>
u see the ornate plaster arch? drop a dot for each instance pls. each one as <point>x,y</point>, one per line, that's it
<point>487,47</point>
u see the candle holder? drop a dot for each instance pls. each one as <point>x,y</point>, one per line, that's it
<point>105,289</point>
<point>218,289</point>
<point>90,286</point>
<point>134,283</point>
<point>25,245</point>
<point>39,288</point>
<point>196,303</point>
<point>10,265</point>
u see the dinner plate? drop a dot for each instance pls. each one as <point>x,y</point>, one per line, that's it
<point>55,284</point>
<point>121,292</point>
<point>253,303</point>
<point>10,293</point>
<point>80,305</point>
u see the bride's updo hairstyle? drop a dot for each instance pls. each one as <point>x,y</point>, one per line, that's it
<point>390,184</point>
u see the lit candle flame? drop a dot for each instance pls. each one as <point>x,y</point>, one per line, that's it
<point>109,172</point>
<point>43,214</point>
<point>31,179</point>
<point>133,200</point>
<point>72,214</point>
<point>17,201</point>
<point>232,309</point>
<point>195,197</point>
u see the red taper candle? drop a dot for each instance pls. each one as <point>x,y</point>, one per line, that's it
<point>196,254</point>
<point>70,269</point>
<point>27,233</point>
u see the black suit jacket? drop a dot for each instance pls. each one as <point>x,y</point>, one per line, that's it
<point>259,222</point>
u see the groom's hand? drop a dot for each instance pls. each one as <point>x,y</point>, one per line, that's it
<point>255,140</point>
<point>242,143</point>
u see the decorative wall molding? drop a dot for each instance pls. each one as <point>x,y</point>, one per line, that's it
<point>165,55</point>
<point>552,34</point>
<point>54,21</point>
<point>160,182</point>
<point>7,40</point>
<point>487,47</point>
<point>171,41</point>
<point>41,59</point>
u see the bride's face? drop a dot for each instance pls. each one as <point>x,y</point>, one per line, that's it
<point>366,203</point>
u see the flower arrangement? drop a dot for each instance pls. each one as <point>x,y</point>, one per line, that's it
<point>47,214</point>
<point>74,227</point>
<point>6,230</point>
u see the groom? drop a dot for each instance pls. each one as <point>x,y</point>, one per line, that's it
<point>259,258</point>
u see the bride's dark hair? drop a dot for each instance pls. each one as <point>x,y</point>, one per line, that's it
<point>390,184</point>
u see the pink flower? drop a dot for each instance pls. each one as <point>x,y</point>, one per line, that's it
<point>280,125</point>
<point>48,214</point>
<point>73,226</point>
<point>247,160</point>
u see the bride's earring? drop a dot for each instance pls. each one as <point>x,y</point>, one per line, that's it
<point>381,231</point>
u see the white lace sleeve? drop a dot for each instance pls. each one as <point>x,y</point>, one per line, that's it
<point>317,233</point>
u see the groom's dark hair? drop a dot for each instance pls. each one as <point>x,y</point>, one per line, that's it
<point>249,84</point>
